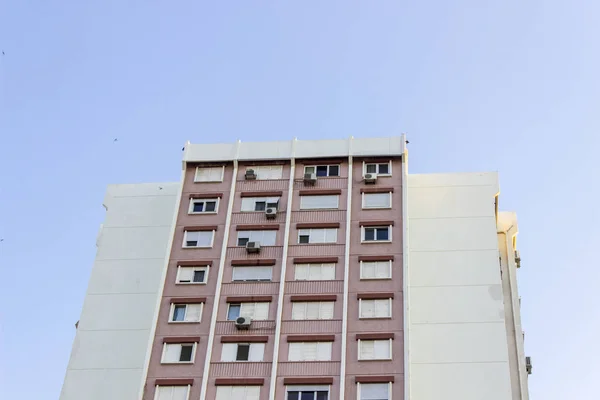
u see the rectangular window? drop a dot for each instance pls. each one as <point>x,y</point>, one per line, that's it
<point>310,351</point>
<point>238,393</point>
<point>314,272</point>
<point>192,275</point>
<point>251,204</point>
<point>313,392</point>
<point>323,170</point>
<point>317,235</point>
<point>186,312</point>
<point>255,311</point>
<point>377,200</point>
<point>209,174</point>
<point>374,391</point>
<point>249,274</point>
<point>319,202</point>
<point>380,308</point>
<point>378,168</point>
<point>375,349</point>
<point>265,238</point>
<point>171,393</point>
<point>303,310</point>
<point>204,206</point>
<point>377,234</point>
<point>376,269</point>
<point>198,239</point>
<point>264,172</point>
<point>242,352</point>
<point>178,353</point>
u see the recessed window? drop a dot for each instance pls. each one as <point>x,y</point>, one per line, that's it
<point>178,353</point>
<point>209,174</point>
<point>375,349</point>
<point>317,235</point>
<point>323,170</point>
<point>198,239</point>
<point>265,238</point>
<point>251,204</point>
<point>254,311</point>
<point>314,272</point>
<point>323,202</point>
<point>265,172</point>
<point>379,308</point>
<point>249,274</point>
<point>306,310</point>
<point>374,391</point>
<point>238,392</point>
<point>376,269</point>
<point>203,206</point>
<point>378,168</point>
<point>171,393</point>
<point>192,275</point>
<point>377,234</point>
<point>186,312</point>
<point>242,352</point>
<point>313,392</point>
<point>377,200</point>
<point>310,351</point>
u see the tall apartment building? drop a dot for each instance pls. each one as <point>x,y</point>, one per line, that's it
<point>302,270</point>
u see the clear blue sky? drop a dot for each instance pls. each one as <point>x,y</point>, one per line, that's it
<point>476,85</point>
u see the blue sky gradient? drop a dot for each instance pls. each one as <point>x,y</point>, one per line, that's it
<point>511,86</point>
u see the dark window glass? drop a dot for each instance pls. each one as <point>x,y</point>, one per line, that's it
<point>382,234</point>
<point>243,351</point>
<point>304,239</point>
<point>234,312</point>
<point>243,241</point>
<point>198,207</point>
<point>384,168</point>
<point>191,243</point>
<point>371,168</point>
<point>186,352</point>
<point>293,395</point>
<point>334,170</point>
<point>179,313</point>
<point>322,170</point>
<point>260,206</point>
<point>369,234</point>
<point>199,276</point>
<point>322,395</point>
<point>307,396</point>
<point>211,206</point>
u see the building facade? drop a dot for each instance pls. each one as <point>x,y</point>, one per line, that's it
<point>302,270</point>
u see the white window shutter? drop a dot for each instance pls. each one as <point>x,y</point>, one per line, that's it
<point>229,352</point>
<point>367,308</point>
<point>368,270</point>
<point>331,235</point>
<point>257,351</point>
<point>248,203</point>
<point>193,312</point>
<point>328,272</point>
<point>185,274</point>
<point>269,238</point>
<point>252,393</point>
<point>312,310</point>
<point>382,308</point>
<point>238,392</point>
<point>317,236</point>
<point>374,391</point>
<point>324,351</point>
<point>382,349</point>
<point>309,351</point>
<point>180,392</point>
<point>224,393</point>
<point>205,238</point>
<point>171,353</point>
<point>261,311</point>
<point>247,310</point>
<point>301,272</point>
<point>326,310</point>
<point>299,310</point>
<point>295,352</point>
<point>382,270</point>
<point>366,349</point>
<point>164,393</point>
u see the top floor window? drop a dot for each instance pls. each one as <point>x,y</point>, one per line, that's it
<point>264,172</point>
<point>323,170</point>
<point>209,174</point>
<point>381,169</point>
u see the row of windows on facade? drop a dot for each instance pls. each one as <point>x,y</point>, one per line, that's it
<point>301,310</point>
<point>312,202</point>
<point>266,172</point>
<point>365,391</point>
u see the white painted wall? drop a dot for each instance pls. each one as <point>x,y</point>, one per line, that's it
<point>458,343</point>
<point>109,352</point>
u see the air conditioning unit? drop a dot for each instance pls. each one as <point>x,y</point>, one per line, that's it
<point>250,175</point>
<point>253,247</point>
<point>518,258</point>
<point>528,365</point>
<point>370,178</point>
<point>243,323</point>
<point>310,179</point>
<point>271,212</point>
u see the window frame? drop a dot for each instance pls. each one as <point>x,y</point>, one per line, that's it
<point>364,207</point>
<point>172,313</point>
<point>237,349</point>
<point>363,233</point>
<point>268,200</point>
<point>363,278</point>
<point>308,388</point>
<point>185,236</point>
<point>156,390</point>
<point>262,242</point>
<point>310,230</point>
<point>377,164</point>
<point>316,351</point>
<point>310,266</point>
<point>374,359</point>
<point>359,390</point>
<point>360,306</point>
<point>328,168</point>
<point>194,201</point>
<point>164,351</point>
<point>196,180</point>
<point>230,390</point>
<point>256,169</point>
<point>206,269</point>
<point>305,304</point>
<point>248,267</point>
<point>240,304</point>
<point>337,202</point>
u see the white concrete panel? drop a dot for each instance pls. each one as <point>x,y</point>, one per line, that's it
<point>117,311</point>
<point>133,243</point>
<point>451,201</point>
<point>378,146</point>
<point>321,148</point>
<point>265,150</point>
<point>92,384</point>
<point>452,234</point>
<point>137,211</point>
<point>469,381</point>
<point>461,342</point>
<point>459,179</point>
<point>452,268</point>
<point>450,304</point>
<point>109,349</point>
<point>125,276</point>
<point>210,152</point>
<point>169,189</point>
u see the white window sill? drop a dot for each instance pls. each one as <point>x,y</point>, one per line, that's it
<point>176,362</point>
<point>190,283</point>
<point>196,247</point>
<point>209,181</point>
<point>375,317</point>
<point>374,359</point>
<point>375,241</point>
<point>184,322</point>
<point>376,208</point>
<point>200,213</point>
<point>376,279</point>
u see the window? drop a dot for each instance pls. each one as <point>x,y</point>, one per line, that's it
<point>302,310</point>
<point>316,392</point>
<point>249,274</point>
<point>374,391</point>
<point>314,272</point>
<point>323,170</point>
<point>317,235</point>
<point>377,234</point>
<point>209,174</point>
<point>310,351</point>
<point>171,393</point>
<point>319,202</point>
<point>238,392</point>
<point>265,238</point>
<point>203,206</point>
<point>377,200</point>
<point>186,312</point>
<point>376,269</point>
<point>198,239</point>
<point>242,352</point>
<point>267,171</point>
<point>250,204</point>
<point>192,275</point>
<point>380,308</point>
<point>378,168</point>
<point>255,311</point>
<point>375,349</point>
<point>178,353</point>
